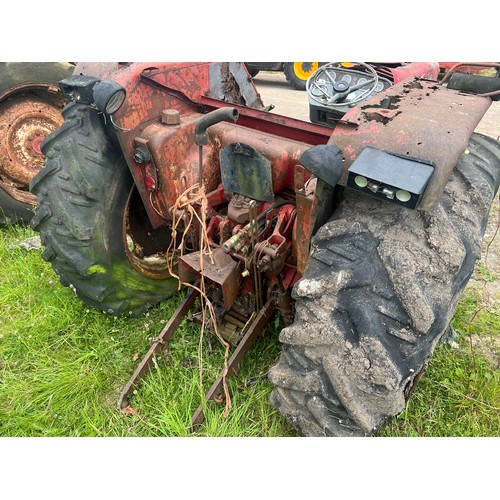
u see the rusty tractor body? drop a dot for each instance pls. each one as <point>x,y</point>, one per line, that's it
<point>168,173</point>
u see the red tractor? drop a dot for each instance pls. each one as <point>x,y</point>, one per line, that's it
<point>362,237</point>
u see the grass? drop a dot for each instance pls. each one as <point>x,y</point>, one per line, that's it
<point>63,365</point>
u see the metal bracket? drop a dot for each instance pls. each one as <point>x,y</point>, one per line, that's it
<point>252,333</point>
<point>303,227</point>
<point>165,335</point>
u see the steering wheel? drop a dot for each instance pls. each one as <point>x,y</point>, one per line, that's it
<point>333,92</point>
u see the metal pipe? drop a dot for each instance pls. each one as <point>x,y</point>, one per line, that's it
<point>206,121</point>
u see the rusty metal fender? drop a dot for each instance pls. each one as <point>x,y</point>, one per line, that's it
<point>417,118</point>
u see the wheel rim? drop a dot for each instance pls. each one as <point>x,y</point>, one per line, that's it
<point>303,70</point>
<point>25,121</point>
<point>145,247</point>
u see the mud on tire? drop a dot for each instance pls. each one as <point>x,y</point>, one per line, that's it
<point>381,286</point>
<point>82,195</point>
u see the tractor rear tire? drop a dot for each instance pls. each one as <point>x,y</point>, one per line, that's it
<point>380,288</point>
<point>30,107</point>
<point>83,192</point>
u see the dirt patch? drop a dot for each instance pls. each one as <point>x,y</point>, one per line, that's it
<point>488,347</point>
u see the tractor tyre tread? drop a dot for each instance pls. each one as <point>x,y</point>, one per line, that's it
<point>13,211</point>
<point>81,193</point>
<point>292,79</point>
<point>17,73</point>
<point>379,290</point>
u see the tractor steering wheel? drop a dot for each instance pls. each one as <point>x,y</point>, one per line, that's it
<point>333,92</point>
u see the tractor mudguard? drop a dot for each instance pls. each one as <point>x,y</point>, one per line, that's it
<point>417,119</point>
<point>427,70</point>
<point>163,101</point>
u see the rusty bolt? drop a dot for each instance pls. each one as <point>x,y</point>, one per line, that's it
<point>142,155</point>
<point>170,117</point>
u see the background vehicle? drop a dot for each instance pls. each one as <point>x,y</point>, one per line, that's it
<point>336,87</point>
<point>30,108</point>
<point>173,173</point>
<point>296,73</point>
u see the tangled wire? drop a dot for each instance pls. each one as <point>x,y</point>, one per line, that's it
<point>184,212</point>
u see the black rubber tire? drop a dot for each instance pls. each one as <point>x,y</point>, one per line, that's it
<point>12,75</point>
<point>13,211</point>
<point>380,288</point>
<point>82,195</point>
<point>294,80</point>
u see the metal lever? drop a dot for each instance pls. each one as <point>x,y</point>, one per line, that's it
<point>253,332</point>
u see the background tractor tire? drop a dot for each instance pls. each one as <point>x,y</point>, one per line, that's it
<point>13,211</point>
<point>13,74</point>
<point>297,73</point>
<point>30,108</point>
<point>380,288</point>
<point>83,193</point>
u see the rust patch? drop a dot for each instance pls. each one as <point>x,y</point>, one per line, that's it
<point>230,87</point>
<point>18,194</point>
<point>418,119</point>
<point>383,116</point>
<point>24,122</point>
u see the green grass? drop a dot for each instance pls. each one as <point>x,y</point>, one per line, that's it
<point>63,365</point>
